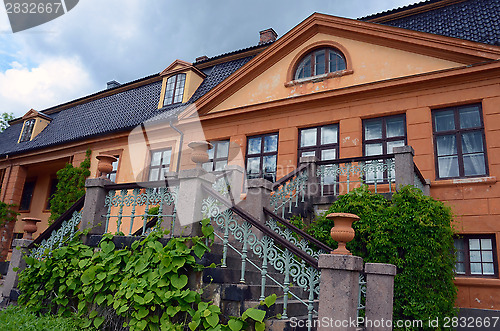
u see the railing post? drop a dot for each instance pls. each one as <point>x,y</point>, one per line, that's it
<point>258,197</point>
<point>16,261</point>
<point>189,201</point>
<point>313,185</point>
<point>235,176</point>
<point>339,287</point>
<point>403,159</point>
<point>94,210</point>
<point>379,296</point>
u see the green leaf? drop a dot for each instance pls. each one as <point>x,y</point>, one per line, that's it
<point>148,297</point>
<point>235,325</point>
<point>194,324</point>
<point>213,320</point>
<point>179,281</point>
<point>256,314</point>
<point>260,326</point>
<point>199,249</point>
<point>171,310</point>
<point>88,276</point>
<point>100,298</point>
<point>93,314</point>
<point>98,321</point>
<point>101,276</point>
<point>270,300</point>
<point>142,313</point>
<point>142,324</point>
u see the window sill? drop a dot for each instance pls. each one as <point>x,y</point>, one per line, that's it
<point>319,78</point>
<point>464,181</point>
<point>477,281</point>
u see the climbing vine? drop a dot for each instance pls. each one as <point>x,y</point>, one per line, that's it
<point>70,187</point>
<point>7,213</point>
<point>146,286</point>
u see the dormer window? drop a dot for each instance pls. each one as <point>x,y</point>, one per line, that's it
<point>319,62</point>
<point>27,130</point>
<point>174,91</point>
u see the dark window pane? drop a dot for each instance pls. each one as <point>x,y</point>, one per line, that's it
<point>219,165</point>
<point>328,154</point>
<point>309,153</point>
<point>486,244</point>
<point>320,62</point>
<point>223,149</point>
<point>373,149</point>
<point>446,145</point>
<point>469,117</point>
<point>270,143</point>
<point>269,164</point>
<point>392,144</point>
<point>488,269</point>
<point>254,145</point>
<point>373,130</point>
<point>474,164</point>
<point>253,165</point>
<point>444,120</point>
<point>472,142</point>
<point>395,127</point>
<point>154,174</point>
<point>166,157</point>
<point>448,166</point>
<point>308,137</point>
<point>156,159</point>
<point>329,134</point>
<point>27,195</point>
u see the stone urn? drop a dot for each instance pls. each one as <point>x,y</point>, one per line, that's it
<point>199,154</point>
<point>105,165</point>
<point>29,227</point>
<point>342,232</point>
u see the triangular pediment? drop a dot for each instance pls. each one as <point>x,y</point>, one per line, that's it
<point>179,66</point>
<point>32,113</point>
<point>375,53</point>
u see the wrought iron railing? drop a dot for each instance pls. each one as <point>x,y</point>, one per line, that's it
<point>342,175</point>
<point>289,190</point>
<point>295,259</point>
<point>59,232</point>
<point>144,202</point>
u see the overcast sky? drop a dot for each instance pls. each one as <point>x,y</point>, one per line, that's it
<point>124,40</point>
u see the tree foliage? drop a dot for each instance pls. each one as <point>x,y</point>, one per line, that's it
<point>4,120</point>
<point>411,231</point>
<point>70,187</point>
<point>7,213</point>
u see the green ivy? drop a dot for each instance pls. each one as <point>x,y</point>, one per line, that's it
<point>7,213</point>
<point>413,232</point>
<point>142,287</point>
<point>70,187</point>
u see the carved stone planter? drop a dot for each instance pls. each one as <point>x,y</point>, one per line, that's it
<point>105,165</point>
<point>199,154</point>
<point>29,227</point>
<point>342,232</point>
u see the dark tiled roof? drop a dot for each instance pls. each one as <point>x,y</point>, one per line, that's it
<point>474,20</point>
<point>117,112</point>
<point>235,52</point>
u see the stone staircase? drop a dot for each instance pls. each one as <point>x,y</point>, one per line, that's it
<point>223,287</point>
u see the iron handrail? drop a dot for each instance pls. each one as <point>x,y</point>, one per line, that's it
<point>295,229</point>
<point>286,178</point>
<point>78,205</point>
<point>264,229</point>
<point>419,174</point>
<point>356,159</point>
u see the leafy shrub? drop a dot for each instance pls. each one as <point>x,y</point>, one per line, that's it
<point>22,319</point>
<point>70,187</point>
<point>411,231</point>
<point>145,286</point>
<point>7,213</point>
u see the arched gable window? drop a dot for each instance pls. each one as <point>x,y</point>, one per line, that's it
<point>320,61</point>
<point>175,89</point>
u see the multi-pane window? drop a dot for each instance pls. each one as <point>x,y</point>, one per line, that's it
<point>476,255</point>
<point>217,156</point>
<point>381,135</point>
<point>27,195</point>
<point>320,61</point>
<point>321,142</point>
<point>459,142</point>
<point>174,90</point>
<point>262,154</point>
<point>2,175</point>
<point>160,164</point>
<point>112,174</point>
<point>27,130</point>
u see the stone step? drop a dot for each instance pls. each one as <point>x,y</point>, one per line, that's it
<point>233,276</point>
<point>294,307</point>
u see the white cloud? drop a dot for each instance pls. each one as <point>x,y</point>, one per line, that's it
<point>54,81</point>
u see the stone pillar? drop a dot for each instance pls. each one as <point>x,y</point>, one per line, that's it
<point>16,261</point>
<point>235,176</point>
<point>313,183</point>
<point>339,288</point>
<point>190,199</point>
<point>379,296</point>
<point>404,166</point>
<point>258,197</point>
<point>93,209</point>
